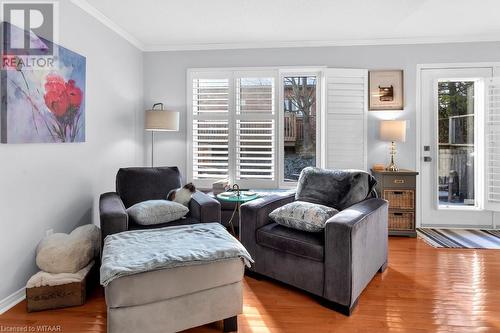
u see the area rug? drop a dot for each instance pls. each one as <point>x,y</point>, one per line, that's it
<point>461,238</point>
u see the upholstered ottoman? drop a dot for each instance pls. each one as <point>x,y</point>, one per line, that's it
<point>177,296</point>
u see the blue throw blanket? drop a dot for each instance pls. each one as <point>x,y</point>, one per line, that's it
<point>139,251</point>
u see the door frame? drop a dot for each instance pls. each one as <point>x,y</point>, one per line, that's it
<point>418,120</point>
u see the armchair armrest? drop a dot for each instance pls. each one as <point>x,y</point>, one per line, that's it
<point>255,214</point>
<point>355,249</point>
<point>114,217</point>
<point>204,208</point>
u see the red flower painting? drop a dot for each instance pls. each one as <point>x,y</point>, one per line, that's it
<point>63,100</point>
<point>43,97</point>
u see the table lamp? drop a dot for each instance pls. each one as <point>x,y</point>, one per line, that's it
<point>159,120</point>
<point>393,131</point>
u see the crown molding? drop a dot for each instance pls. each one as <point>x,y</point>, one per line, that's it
<point>324,43</point>
<point>92,11</point>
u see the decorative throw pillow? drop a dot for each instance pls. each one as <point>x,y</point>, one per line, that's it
<point>182,195</point>
<point>156,211</point>
<point>69,253</point>
<point>303,215</point>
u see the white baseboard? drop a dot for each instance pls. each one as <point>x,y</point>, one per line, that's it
<point>11,300</point>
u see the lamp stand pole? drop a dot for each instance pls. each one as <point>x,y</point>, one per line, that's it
<point>392,166</point>
<point>152,147</point>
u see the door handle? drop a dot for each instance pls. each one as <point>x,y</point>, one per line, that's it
<point>427,159</point>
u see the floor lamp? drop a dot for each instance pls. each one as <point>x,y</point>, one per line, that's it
<point>159,120</point>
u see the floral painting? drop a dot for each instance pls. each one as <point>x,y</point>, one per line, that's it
<point>43,105</point>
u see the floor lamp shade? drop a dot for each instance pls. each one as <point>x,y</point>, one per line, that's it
<point>161,120</point>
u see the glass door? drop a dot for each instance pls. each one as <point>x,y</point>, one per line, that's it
<point>452,110</point>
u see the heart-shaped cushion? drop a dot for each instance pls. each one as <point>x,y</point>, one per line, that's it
<point>68,253</point>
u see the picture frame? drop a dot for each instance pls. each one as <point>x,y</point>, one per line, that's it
<point>386,90</point>
<point>46,104</point>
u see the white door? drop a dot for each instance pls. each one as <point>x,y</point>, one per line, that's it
<point>452,138</point>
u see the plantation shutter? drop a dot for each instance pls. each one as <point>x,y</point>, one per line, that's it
<point>255,129</point>
<point>210,129</point>
<point>346,118</point>
<point>231,127</point>
<point>492,144</point>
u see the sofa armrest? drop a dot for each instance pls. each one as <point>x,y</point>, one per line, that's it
<point>114,217</point>
<point>204,208</point>
<point>355,249</point>
<point>255,214</point>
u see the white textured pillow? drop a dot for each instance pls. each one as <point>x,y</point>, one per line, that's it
<point>63,253</point>
<point>303,215</point>
<point>156,211</point>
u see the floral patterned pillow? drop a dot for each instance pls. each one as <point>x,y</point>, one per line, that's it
<point>303,215</point>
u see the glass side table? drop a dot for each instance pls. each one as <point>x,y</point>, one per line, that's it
<point>238,198</point>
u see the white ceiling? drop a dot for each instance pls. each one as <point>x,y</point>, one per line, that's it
<point>218,24</point>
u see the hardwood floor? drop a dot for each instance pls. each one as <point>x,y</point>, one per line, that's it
<point>423,290</point>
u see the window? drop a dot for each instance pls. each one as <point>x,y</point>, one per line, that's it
<point>232,128</point>
<point>210,128</point>
<point>260,128</point>
<point>299,124</point>
<point>457,149</point>
<point>255,114</point>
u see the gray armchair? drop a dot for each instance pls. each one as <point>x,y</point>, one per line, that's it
<point>134,185</point>
<point>336,264</point>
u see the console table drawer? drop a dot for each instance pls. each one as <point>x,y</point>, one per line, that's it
<point>400,199</point>
<point>401,220</point>
<point>399,181</point>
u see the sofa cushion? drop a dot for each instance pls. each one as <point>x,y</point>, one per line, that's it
<point>162,284</point>
<point>135,185</point>
<point>154,212</point>
<point>302,215</point>
<point>335,188</point>
<point>309,245</point>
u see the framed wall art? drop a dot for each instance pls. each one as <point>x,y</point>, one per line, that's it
<point>42,104</point>
<point>386,90</point>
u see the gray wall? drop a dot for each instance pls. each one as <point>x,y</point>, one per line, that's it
<point>56,186</point>
<point>165,81</point>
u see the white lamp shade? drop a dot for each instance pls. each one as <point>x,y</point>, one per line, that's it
<point>161,120</point>
<point>393,130</point>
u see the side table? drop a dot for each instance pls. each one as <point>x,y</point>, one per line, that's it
<point>238,200</point>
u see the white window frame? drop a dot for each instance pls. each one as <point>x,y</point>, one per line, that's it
<point>300,71</point>
<point>279,73</point>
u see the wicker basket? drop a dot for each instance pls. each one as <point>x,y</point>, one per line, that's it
<point>400,199</point>
<point>401,220</point>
